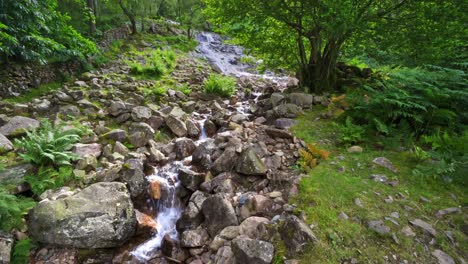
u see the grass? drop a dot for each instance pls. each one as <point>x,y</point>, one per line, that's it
<point>35,93</point>
<point>332,186</point>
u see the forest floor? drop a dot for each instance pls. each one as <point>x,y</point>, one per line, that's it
<point>339,199</point>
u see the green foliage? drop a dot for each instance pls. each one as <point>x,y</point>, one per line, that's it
<point>12,210</point>
<point>178,42</point>
<point>49,178</point>
<point>21,251</point>
<point>419,101</point>
<point>154,64</point>
<point>349,132</point>
<point>36,31</point>
<point>35,93</point>
<point>49,145</point>
<point>223,86</point>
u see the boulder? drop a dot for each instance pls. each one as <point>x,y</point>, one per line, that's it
<point>287,110</point>
<point>194,238</point>
<point>69,110</point>
<point>302,100</point>
<point>192,215</point>
<point>18,125</point>
<point>100,216</point>
<point>116,135</point>
<point>140,134</point>
<point>278,133</point>
<point>133,175</point>
<point>93,149</point>
<point>227,234</point>
<point>276,99</point>
<point>176,125</point>
<point>250,163</point>
<point>224,255</point>
<point>141,113</point>
<point>190,179</point>
<point>296,235</point>
<point>5,144</point>
<point>250,226</point>
<point>252,251</point>
<point>192,129</point>
<point>184,147</point>
<point>218,213</point>
<point>202,154</point>
<point>117,108</point>
<point>225,162</point>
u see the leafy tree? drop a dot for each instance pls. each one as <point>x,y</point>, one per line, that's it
<point>36,31</point>
<point>308,35</point>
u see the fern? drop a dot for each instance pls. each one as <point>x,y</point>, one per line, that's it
<point>49,145</point>
<point>49,178</point>
<point>21,251</point>
<point>311,156</point>
<point>12,210</point>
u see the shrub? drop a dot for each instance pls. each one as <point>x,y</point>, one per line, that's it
<point>12,210</point>
<point>49,145</point>
<point>49,178</point>
<point>223,86</point>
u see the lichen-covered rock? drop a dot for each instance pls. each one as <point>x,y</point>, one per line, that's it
<point>176,125</point>
<point>225,162</point>
<point>18,125</point>
<point>296,235</point>
<point>100,216</point>
<point>252,251</point>
<point>250,163</point>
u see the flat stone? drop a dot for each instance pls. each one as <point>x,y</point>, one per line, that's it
<point>93,149</point>
<point>18,125</point>
<point>442,257</point>
<point>446,211</point>
<point>424,226</point>
<point>284,123</point>
<point>278,133</point>
<point>386,163</point>
<point>378,226</point>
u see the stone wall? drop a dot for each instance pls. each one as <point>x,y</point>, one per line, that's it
<point>16,79</point>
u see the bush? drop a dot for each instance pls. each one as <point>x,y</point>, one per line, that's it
<point>48,145</point>
<point>223,86</point>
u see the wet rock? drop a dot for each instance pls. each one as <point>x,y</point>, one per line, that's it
<point>218,213</point>
<point>6,246</point>
<point>171,248</point>
<point>252,251</point>
<point>116,135</point>
<point>210,127</point>
<point>5,144</point>
<point>296,235</point>
<point>225,162</point>
<point>155,190</point>
<point>177,126</point>
<point>278,133</point>
<point>442,257</point>
<point>192,129</point>
<point>146,223</point>
<point>284,123</point>
<point>100,216</point>
<point>378,226</point>
<point>250,163</point>
<point>250,226</point>
<point>287,110</point>
<point>202,154</point>
<point>93,149</point>
<point>140,113</point>
<point>446,211</point>
<point>18,125</point>
<point>190,179</point>
<point>133,175</point>
<point>424,226</point>
<point>192,215</point>
<point>384,162</point>
<point>184,147</point>
<point>224,256</point>
<point>194,238</point>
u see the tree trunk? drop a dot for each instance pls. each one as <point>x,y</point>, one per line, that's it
<point>92,17</point>
<point>130,16</point>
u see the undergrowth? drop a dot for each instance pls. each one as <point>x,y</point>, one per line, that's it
<point>223,86</point>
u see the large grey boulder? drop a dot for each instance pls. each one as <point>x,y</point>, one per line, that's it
<point>250,163</point>
<point>100,216</point>
<point>176,125</point>
<point>287,110</point>
<point>219,214</point>
<point>296,235</point>
<point>252,251</point>
<point>225,162</point>
<point>18,125</point>
<point>5,144</point>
